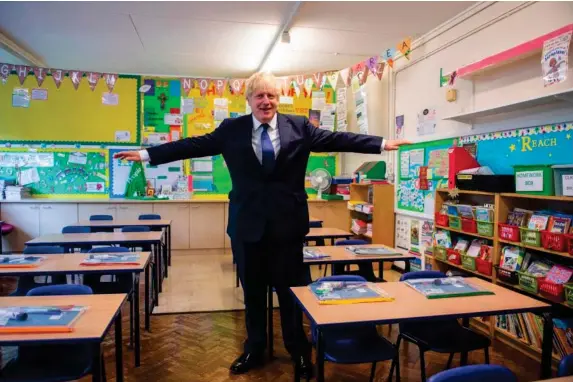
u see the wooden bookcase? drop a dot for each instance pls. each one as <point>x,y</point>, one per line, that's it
<point>503,204</point>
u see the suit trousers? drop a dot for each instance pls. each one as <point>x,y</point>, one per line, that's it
<point>280,264</point>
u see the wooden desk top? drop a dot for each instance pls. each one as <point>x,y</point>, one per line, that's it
<point>339,254</point>
<point>91,326</point>
<point>70,264</point>
<point>95,238</point>
<point>313,219</point>
<point>328,232</point>
<point>410,305</point>
<point>123,223</point>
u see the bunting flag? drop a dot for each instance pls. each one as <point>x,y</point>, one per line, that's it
<point>40,74</point>
<point>220,86</point>
<point>5,70</point>
<point>110,80</point>
<point>283,85</point>
<point>308,84</point>
<point>360,71</point>
<point>380,69</point>
<point>22,72</point>
<point>236,85</point>
<point>345,75</point>
<point>372,65</point>
<point>204,84</point>
<point>187,85</point>
<point>319,79</point>
<point>93,79</point>
<point>58,75</point>
<point>76,77</point>
<point>333,79</point>
<point>405,46</point>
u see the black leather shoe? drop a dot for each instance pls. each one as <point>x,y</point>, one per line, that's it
<point>246,362</point>
<point>305,366</point>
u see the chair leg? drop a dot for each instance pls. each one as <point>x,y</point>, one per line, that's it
<point>486,351</point>
<point>104,376</point>
<point>131,315</point>
<point>397,367</point>
<point>450,358</point>
<point>394,364</point>
<point>372,371</point>
<point>325,269</point>
<point>422,365</point>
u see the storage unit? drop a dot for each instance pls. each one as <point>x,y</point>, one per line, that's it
<point>563,177</point>
<point>534,180</point>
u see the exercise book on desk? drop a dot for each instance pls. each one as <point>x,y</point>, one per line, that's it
<point>313,254</point>
<point>348,292</point>
<point>39,319</point>
<point>372,251</point>
<point>446,287</point>
<point>20,261</point>
<point>111,259</point>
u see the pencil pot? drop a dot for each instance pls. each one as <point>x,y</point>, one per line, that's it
<point>550,290</point>
<point>508,232</point>
<point>469,225</point>
<point>440,253</point>
<point>442,219</point>
<point>469,262</point>
<point>528,282</point>
<point>455,222</point>
<point>485,228</point>
<point>554,241</point>
<point>454,257</point>
<point>506,275</point>
<point>530,237</point>
<point>568,294</point>
<point>483,266</point>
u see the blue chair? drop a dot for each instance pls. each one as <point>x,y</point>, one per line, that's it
<point>25,283</point>
<point>440,336</point>
<point>364,269</point>
<point>77,229</point>
<point>151,217</point>
<point>356,344</point>
<point>138,228</point>
<point>475,373</point>
<point>100,218</point>
<point>565,366</point>
<point>51,363</point>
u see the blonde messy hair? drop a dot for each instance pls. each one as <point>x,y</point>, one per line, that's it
<point>261,80</point>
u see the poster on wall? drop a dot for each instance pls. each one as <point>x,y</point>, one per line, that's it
<point>426,124</point>
<point>554,61</point>
<point>399,127</point>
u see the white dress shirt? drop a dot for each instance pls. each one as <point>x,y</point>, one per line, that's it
<point>273,132</point>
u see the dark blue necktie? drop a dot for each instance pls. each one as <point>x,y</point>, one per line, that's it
<point>268,157</point>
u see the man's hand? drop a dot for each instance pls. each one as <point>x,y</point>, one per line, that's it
<point>393,144</point>
<point>132,156</point>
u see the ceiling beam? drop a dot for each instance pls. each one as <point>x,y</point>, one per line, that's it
<point>284,27</point>
<point>20,52</point>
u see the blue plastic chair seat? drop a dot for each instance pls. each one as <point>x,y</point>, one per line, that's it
<point>431,335</point>
<point>356,345</point>
<point>475,373</point>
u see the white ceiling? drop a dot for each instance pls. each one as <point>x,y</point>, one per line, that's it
<point>213,39</point>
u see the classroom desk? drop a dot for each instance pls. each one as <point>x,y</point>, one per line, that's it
<point>160,223</point>
<point>409,305</point>
<point>328,233</point>
<point>108,238</point>
<point>312,219</point>
<point>70,264</point>
<point>91,327</point>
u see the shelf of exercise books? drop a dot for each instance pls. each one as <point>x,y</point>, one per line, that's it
<point>464,232</point>
<point>462,268</point>
<point>480,325</point>
<point>510,340</point>
<point>542,197</point>
<point>468,192</point>
<point>540,249</point>
<point>537,295</point>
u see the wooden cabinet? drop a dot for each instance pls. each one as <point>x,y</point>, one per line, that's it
<point>55,216</point>
<point>85,210</point>
<point>132,211</point>
<point>334,214</point>
<point>25,217</point>
<point>207,222</point>
<point>178,213</point>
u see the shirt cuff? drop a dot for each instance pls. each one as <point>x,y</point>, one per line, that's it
<point>145,155</point>
<point>382,146</point>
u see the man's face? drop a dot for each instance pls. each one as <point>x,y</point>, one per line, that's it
<point>264,103</point>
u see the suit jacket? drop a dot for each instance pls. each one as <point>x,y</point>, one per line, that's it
<point>274,204</point>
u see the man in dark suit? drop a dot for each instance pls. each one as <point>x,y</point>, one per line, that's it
<point>267,155</point>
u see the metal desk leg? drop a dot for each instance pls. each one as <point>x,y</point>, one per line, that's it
<point>319,355</point>
<point>546,347</point>
<point>407,266</point>
<point>381,270</point>
<point>165,258</point>
<point>158,271</point>
<point>136,319</point>
<point>270,329</point>
<point>147,312</point>
<point>169,244</point>
<point>464,355</point>
<point>97,361</point>
<point>118,349</point>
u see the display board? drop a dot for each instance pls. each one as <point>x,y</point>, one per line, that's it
<point>73,173</point>
<point>412,198</point>
<point>40,114</point>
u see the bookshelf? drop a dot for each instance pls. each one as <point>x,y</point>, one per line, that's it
<point>504,203</point>
<point>381,196</point>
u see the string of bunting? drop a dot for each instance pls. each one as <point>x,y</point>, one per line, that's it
<point>290,85</point>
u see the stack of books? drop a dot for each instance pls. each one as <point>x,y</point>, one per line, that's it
<point>17,192</point>
<point>313,254</point>
<point>446,287</point>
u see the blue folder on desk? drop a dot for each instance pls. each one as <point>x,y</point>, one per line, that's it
<point>446,287</point>
<point>312,254</point>
<point>20,261</point>
<point>39,319</point>
<point>372,251</point>
<point>347,292</point>
<point>111,258</point>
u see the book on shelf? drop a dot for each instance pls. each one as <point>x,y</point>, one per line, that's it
<point>39,319</point>
<point>313,254</point>
<point>446,287</point>
<point>348,292</point>
<point>372,251</point>
<point>20,261</point>
<point>111,259</point>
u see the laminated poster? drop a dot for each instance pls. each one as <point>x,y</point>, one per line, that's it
<point>554,62</point>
